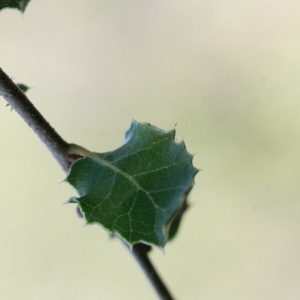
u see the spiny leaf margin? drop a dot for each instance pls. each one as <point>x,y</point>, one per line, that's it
<point>137,190</point>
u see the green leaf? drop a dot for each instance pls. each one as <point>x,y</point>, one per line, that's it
<point>174,226</point>
<point>18,4</point>
<point>24,88</point>
<point>137,190</point>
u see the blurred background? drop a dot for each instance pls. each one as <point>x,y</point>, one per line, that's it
<point>227,72</point>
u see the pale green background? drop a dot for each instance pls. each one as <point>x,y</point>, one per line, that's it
<point>227,72</point>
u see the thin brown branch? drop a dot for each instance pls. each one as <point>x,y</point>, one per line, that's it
<point>21,104</point>
<point>140,252</point>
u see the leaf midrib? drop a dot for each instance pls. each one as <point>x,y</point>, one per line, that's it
<point>108,164</point>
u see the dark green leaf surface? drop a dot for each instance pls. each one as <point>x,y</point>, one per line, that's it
<point>137,190</point>
<point>23,87</point>
<point>18,4</point>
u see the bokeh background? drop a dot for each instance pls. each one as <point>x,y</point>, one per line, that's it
<point>227,72</point>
